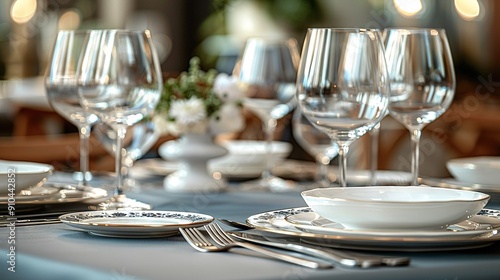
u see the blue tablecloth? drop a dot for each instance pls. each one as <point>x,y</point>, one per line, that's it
<point>58,251</point>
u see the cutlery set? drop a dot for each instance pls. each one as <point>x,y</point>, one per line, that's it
<point>214,239</point>
<point>31,219</point>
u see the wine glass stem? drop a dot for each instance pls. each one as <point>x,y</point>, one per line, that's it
<point>121,130</point>
<point>344,149</point>
<point>374,137</point>
<point>84,132</point>
<point>415,140</point>
<point>323,179</point>
<point>269,128</point>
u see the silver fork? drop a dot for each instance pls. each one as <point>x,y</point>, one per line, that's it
<point>198,241</point>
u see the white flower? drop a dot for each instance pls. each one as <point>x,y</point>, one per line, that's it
<point>188,112</point>
<point>228,119</point>
<point>226,87</point>
<point>214,104</point>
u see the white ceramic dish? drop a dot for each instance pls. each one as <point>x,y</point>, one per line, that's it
<point>395,207</point>
<point>23,174</point>
<point>54,193</point>
<point>312,222</point>
<point>30,194</point>
<point>134,224</point>
<point>476,170</point>
<point>245,159</point>
<point>274,225</point>
<point>249,156</point>
<point>452,183</point>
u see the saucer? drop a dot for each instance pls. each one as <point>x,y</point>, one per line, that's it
<point>134,224</point>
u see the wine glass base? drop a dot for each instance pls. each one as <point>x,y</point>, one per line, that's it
<point>270,184</point>
<point>122,202</point>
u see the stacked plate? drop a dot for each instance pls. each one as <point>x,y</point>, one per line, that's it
<point>24,186</point>
<point>387,218</point>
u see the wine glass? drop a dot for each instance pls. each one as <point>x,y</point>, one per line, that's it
<point>138,140</point>
<point>62,91</point>
<point>422,80</point>
<point>267,70</point>
<point>317,144</point>
<point>343,85</point>
<point>119,79</point>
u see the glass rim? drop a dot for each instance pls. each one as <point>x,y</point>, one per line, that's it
<point>131,31</point>
<point>346,29</point>
<point>416,30</point>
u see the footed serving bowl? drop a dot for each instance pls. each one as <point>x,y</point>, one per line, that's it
<point>395,207</point>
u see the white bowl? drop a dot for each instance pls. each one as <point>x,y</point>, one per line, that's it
<point>18,175</point>
<point>476,170</point>
<point>395,207</point>
<point>248,157</point>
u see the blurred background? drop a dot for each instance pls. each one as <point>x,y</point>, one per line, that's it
<point>216,32</point>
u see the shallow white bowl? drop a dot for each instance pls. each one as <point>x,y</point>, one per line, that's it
<point>395,207</point>
<point>22,174</point>
<point>248,157</point>
<point>476,170</point>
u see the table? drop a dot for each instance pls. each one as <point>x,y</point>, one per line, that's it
<point>58,251</point>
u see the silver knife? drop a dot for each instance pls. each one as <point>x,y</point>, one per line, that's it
<point>341,257</point>
<point>29,222</point>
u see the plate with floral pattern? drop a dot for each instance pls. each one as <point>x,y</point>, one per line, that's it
<point>134,224</point>
<point>274,223</point>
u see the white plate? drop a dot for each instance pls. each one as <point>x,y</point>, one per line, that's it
<point>30,194</point>
<point>312,222</point>
<point>154,166</point>
<point>306,170</point>
<point>53,193</point>
<point>162,167</point>
<point>475,170</point>
<point>273,223</point>
<point>23,174</point>
<point>452,183</point>
<point>134,224</point>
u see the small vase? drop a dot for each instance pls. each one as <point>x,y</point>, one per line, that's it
<point>193,151</point>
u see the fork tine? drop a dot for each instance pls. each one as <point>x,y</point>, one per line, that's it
<point>192,239</point>
<point>221,233</point>
<point>200,237</point>
<point>215,235</point>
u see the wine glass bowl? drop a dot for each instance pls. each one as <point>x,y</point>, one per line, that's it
<point>422,78</point>
<point>342,84</point>
<point>315,143</point>
<point>62,90</point>
<point>119,79</point>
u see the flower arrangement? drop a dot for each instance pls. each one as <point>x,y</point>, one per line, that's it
<point>200,102</point>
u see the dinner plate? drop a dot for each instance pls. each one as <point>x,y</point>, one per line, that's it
<point>134,224</point>
<point>274,224</point>
<point>162,167</point>
<point>54,193</point>
<point>452,183</point>
<point>30,194</point>
<point>312,222</point>
<point>306,171</point>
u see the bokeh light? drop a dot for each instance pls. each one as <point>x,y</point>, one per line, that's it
<point>468,9</point>
<point>408,8</point>
<point>69,20</point>
<point>23,11</point>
